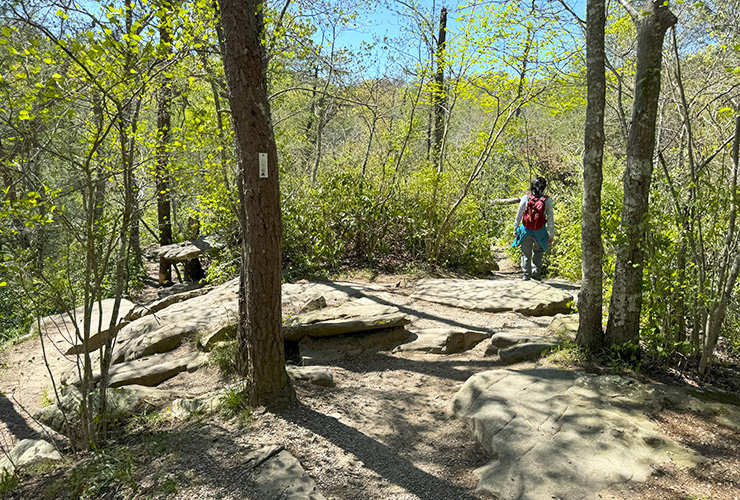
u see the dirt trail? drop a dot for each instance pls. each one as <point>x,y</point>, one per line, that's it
<point>385,431</point>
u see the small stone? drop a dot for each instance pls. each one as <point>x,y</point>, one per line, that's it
<point>314,374</point>
<point>314,304</point>
<point>565,325</point>
<point>444,340</point>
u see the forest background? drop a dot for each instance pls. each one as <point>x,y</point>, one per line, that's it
<point>396,154</point>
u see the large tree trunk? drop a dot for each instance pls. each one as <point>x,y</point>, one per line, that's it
<point>259,336</point>
<point>590,334</point>
<point>162,172</point>
<point>626,302</point>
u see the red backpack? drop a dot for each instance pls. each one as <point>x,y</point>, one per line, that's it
<point>534,214</point>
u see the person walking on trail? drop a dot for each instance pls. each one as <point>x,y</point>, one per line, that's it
<point>534,228</point>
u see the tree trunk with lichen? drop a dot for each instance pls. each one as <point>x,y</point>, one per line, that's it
<point>590,333</point>
<point>626,302</point>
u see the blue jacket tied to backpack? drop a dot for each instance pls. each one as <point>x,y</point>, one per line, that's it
<point>541,235</point>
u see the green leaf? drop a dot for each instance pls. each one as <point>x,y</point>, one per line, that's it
<point>7,31</point>
<point>725,112</point>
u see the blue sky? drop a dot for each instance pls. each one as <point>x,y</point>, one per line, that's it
<point>383,20</point>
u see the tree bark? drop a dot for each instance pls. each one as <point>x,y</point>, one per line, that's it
<point>162,171</point>
<point>626,302</point>
<point>261,357</point>
<point>438,98</point>
<point>590,333</point>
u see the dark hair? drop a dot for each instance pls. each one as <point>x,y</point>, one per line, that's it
<point>537,186</point>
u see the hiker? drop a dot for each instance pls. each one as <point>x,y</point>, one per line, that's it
<point>534,228</point>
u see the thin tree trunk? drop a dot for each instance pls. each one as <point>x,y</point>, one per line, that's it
<point>121,273</point>
<point>493,137</point>
<point>717,315</point>
<point>438,96</point>
<point>369,142</point>
<point>261,357</point>
<point>162,170</point>
<point>590,300</point>
<point>626,302</point>
<point>407,137</point>
<point>131,118</point>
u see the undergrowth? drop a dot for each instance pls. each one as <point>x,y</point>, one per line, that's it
<point>8,483</point>
<point>234,404</point>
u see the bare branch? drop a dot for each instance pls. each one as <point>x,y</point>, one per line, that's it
<point>323,92</point>
<point>567,7</point>
<point>278,26</point>
<point>506,201</point>
<point>634,13</point>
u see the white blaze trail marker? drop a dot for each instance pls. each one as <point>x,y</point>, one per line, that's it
<point>263,165</point>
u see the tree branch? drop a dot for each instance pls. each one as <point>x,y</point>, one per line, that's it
<point>634,13</point>
<point>567,7</point>
<point>506,201</point>
<point>325,93</point>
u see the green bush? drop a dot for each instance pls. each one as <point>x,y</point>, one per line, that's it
<point>565,257</point>
<point>351,221</point>
<point>346,221</point>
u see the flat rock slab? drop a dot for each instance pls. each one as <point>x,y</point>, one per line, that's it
<point>165,329</point>
<point>186,250</point>
<point>278,475</point>
<point>558,434</point>
<point>333,292</point>
<point>444,340</point>
<point>213,316</point>
<point>139,311</point>
<point>27,452</point>
<point>62,328</point>
<point>530,298</point>
<point>352,317</point>
<point>149,371</point>
<point>154,370</point>
<point>502,340</point>
<point>525,352</point>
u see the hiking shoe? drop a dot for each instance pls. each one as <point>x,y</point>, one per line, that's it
<point>526,277</point>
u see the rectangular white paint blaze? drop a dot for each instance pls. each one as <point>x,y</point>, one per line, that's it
<point>263,165</point>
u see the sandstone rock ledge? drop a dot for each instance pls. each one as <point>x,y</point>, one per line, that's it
<point>531,298</point>
<point>559,434</point>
